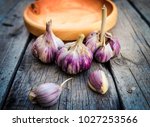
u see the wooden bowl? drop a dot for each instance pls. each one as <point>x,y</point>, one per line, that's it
<point>69,18</point>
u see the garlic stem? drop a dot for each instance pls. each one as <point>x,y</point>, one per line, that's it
<point>49,31</point>
<point>78,42</point>
<point>48,26</point>
<point>104,16</point>
<point>65,81</point>
<point>80,39</point>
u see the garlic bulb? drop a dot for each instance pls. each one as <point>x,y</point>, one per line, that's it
<point>103,45</point>
<point>74,57</point>
<point>110,49</point>
<point>46,45</point>
<point>95,39</point>
<point>46,94</point>
<point>98,82</point>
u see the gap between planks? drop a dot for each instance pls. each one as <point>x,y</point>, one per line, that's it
<point>137,8</point>
<point>16,68</point>
<point>12,47</point>
<point>132,68</point>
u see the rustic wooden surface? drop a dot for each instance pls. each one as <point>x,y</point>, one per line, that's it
<point>75,95</point>
<point>6,7</point>
<point>142,7</point>
<point>132,69</point>
<point>129,74</point>
<point>13,41</point>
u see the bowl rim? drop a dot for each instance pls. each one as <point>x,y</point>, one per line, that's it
<point>71,34</point>
<point>41,26</point>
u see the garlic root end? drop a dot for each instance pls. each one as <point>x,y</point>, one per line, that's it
<point>32,97</point>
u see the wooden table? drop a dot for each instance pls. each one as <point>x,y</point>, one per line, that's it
<point>128,74</point>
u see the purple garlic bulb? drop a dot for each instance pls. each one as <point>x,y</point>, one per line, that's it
<point>98,82</point>
<point>102,44</point>
<point>46,94</point>
<point>95,39</point>
<point>110,49</point>
<point>92,41</point>
<point>74,57</point>
<point>45,46</point>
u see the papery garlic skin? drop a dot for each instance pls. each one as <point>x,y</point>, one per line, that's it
<point>74,57</point>
<point>98,82</point>
<point>101,43</point>
<point>46,45</point>
<point>92,41</point>
<point>115,45</point>
<point>110,50</point>
<point>45,94</point>
<point>104,54</point>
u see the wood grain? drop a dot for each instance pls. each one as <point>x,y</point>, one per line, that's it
<point>13,40</point>
<point>76,93</point>
<point>6,7</point>
<point>128,74</point>
<point>131,70</point>
<point>143,8</point>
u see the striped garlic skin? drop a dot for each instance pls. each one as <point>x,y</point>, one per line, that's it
<point>74,57</point>
<point>92,41</point>
<point>45,46</point>
<point>115,45</point>
<point>98,82</point>
<point>46,94</point>
<point>110,50</point>
<point>104,54</point>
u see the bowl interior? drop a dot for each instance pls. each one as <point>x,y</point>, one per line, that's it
<point>65,14</point>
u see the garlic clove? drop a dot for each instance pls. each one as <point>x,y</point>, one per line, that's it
<point>51,103</point>
<point>46,94</point>
<point>104,54</point>
<point>42,92</point>
<point>98,82</point>
<point>50,99</point>
<point>74,57</point>
<point>45,46</point>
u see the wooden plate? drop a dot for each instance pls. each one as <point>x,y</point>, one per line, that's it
<point>70,18</point>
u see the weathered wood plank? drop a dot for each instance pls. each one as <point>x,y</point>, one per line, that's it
<point>6,6</point>
<point>131,72</point>
<point>76,94</point>
<point>13,40</point>
<point>132,69</point>
<point>143,7</point>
